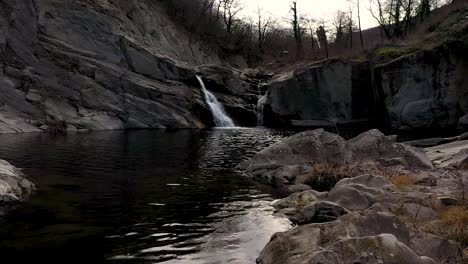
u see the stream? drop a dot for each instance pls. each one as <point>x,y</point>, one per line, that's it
<point>140,197</point>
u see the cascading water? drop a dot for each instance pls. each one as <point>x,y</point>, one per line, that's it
<point>221,119</point>
<point>260,107</point>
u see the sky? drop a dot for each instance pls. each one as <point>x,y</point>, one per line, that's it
<point>318,9</point>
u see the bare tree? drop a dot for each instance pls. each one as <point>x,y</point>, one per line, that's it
<point>296,28</point>
<point>263,24</point>
<point>322,38</point>
<point>350,25</point>
<point>339,22</point>
<point>311,25</point>
<point>389,16</point>
<point>231,9</point>
<point>357,4</point>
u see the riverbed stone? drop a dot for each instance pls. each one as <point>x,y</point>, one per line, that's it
<point>319,212</point>
<point>366,237</point>
<point>297,200</point>
<point>359,193</point>
<point>13,186</point>
<point>299,188</point>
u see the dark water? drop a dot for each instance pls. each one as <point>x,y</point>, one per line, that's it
<point>139,197</point>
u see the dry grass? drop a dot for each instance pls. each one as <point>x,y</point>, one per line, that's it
<point>402,181</point>
<point>453,225</point>
<point>455,221</point>
<point>323,177</point>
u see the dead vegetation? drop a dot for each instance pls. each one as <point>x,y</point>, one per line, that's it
<point>402,181</point>
<point>323,177</point>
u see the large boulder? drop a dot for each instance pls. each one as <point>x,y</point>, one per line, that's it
<point>282,162</point>
<point>305,148</point>
<point>13,186</point>
<point>361,192</point>
<point>367,237</point>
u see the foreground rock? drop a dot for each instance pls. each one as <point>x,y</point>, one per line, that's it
<point>14,188</point>
<point>367,237</point>
<point>386,209</point>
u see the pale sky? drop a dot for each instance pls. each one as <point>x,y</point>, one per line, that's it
<point>318,9</point>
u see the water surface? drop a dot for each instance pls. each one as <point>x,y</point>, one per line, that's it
<point>139,197</point>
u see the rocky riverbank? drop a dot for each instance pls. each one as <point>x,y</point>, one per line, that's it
<point>14,188</point>
<point>369,199</point>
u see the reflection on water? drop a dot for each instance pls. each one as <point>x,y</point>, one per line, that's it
<point>140,197</point>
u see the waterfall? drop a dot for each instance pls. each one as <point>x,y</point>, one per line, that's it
<point>260,105</point>
<point>221,119</point>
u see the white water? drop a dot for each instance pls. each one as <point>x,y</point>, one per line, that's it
<point>260,107</point>
<point>221,119</point>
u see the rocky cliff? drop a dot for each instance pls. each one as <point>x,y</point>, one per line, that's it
<point>417,88</point>
<point>320,94</point>
<point>98,64</point>
<point>426,89</point>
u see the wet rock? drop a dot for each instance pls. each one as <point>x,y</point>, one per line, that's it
<point>287,212</point>
<point>13,186</point>
<point>296,200</point>
<point>299,188</point>
<point>319,212</point>
<point>367,237</point>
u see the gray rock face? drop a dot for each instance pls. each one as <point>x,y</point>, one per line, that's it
<point>332,91</point>
<point>422,91</point>
<point>425,90</point>
<point>368,237</point>
<point>238,92</point>
<point>14,187</point>
<point>96,65</point>
<point>453,154</point>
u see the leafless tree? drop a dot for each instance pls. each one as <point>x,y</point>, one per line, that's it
<point>339,22</point>
<point>263,23</point>
<point>296,28</point>
<point>357,4</point>
<point>322,38</point>
<point>231,9</point>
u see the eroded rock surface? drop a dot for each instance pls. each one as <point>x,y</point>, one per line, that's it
<point>376,217</point>
<point>100,65</point>
<point>14,188</point>
<point>281,163</point>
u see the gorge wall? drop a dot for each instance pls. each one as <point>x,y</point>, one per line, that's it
<point>99,65</point>
<point>423,91</point>
<point>124,64</point>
